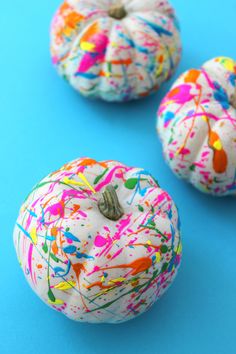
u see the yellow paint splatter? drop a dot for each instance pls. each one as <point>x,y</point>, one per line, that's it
<point>217,145</point>
<point>159,70</point>
<point>86,182</point>
<point>33,235</point>
<point>87,47</point>
<point>72,181</point>
<point>117,280</point>
<point>65,285</point>
<point>78,183</point>
<point>158,257</point>
<point>56,302</point>
<point>228,63</point>
<point>179,249</point>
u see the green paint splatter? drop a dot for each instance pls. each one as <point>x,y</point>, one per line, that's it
<point>164,249</point>
<point>51,295</point>
<point>97,179</point>
<point>152,223</point>
<point>140,208</point>
<point>155,180</point>
<point>164,267</point>
<point>54,257</point>
<point>45,247</point>
<point>109,66</point>
<point>131,183</point>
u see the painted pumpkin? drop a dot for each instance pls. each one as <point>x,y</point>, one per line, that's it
<point>98,241</point>
<point>197,126</point>
<point>115,51</point>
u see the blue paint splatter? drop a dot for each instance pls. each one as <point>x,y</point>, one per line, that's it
<point>158,29</point>
<point>221,96</point>
<point>69,249</point>
<point>168,118</point>
<point>70,236</point>
<point>83,255</point>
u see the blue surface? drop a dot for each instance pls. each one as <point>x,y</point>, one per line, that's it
<point>44,124</point>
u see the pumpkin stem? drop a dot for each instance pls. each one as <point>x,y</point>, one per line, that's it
<point>233,100</point>
<point>109,204</point>
<point>117,12</point>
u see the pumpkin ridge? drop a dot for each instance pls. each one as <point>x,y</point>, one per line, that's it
<point>205,140</point>
<point>104,62</point>
<point>164,44</point>
<point>136,71</point>
<point>169,12</point>
<point>133,55</point>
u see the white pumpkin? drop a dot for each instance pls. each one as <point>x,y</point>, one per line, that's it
<point>115,50</point>
<point>197,126</point>
<point>98,241</point>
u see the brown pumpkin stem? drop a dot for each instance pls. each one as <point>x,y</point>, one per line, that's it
<point>109,204</point>
<point>233,100</point>
<point>117,12</point>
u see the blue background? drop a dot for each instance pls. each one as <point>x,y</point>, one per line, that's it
<point>44,124</point>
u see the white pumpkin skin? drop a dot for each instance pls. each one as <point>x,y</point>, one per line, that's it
<point>91,268</point>
<point>115,59</point>
<point>197,126</point>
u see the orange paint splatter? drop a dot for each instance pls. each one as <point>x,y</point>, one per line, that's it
<point>78,267</point>
<point>122,62</point>
<point>54,231</point>
<point>64,7</point>
<point>192,76</point>
<point>161,59</point>
<point>99,284</point>
<point>91,31</point>
<point>76,207</point>
<point>220,159</point>
<point>137,266</point>
<point>91,162</point>
<point>54,248</point>
<point>71,20</point>
<point>144,245</point>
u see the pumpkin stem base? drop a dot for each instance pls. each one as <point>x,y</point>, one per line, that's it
<point>233,100</point>
<point>117,12</point>
<point>109,204</point>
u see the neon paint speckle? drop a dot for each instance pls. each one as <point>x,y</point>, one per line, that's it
<point>116,60</point>
<point>86,266</point>
<point>197,126</point>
